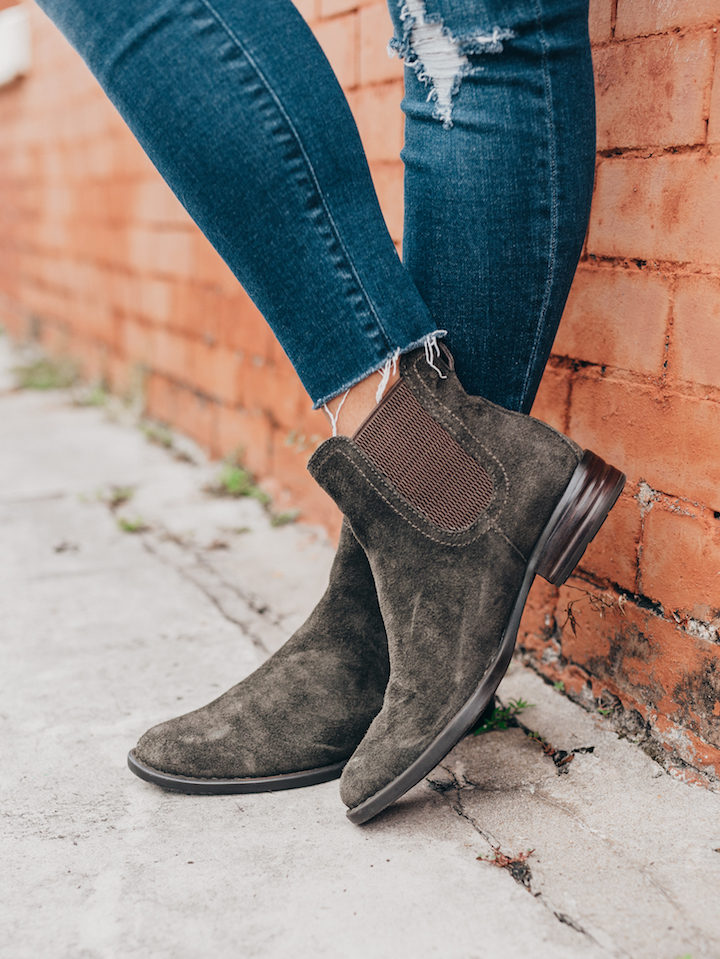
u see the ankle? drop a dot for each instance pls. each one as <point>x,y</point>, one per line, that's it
<point>349,410</point>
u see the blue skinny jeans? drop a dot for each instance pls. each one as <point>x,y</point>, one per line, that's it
<point>239,110</point>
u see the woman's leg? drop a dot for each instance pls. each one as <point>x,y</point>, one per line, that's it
<point>239,110</point>
<point>499,155</point>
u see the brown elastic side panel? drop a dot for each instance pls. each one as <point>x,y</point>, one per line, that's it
<point>426,465</point>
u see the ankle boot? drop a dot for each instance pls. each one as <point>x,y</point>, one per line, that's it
<point>458,504</point>
<point>296,719</point>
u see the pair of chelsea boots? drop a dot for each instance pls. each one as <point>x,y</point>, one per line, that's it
<point>452,506</point>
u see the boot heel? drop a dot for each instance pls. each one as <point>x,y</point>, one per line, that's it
<point>589,497</point>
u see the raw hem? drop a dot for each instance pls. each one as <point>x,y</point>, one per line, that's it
<point>429,337</point>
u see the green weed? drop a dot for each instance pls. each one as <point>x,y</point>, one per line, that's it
<point>136,525</point>
<point>47,374</point>
<point>501,716</point>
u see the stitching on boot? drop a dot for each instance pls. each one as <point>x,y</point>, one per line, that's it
<point>424,532</point>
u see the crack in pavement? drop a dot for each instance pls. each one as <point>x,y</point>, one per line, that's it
<point>213,587</point>
<point>522,878</point>
<point>621,852</point>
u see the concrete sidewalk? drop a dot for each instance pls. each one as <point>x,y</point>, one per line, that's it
<point>105,632</point>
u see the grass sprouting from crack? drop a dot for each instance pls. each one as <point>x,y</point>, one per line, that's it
<point>501,716</point>
<point>135,525</point>
<point>116,496</point>
<point>47,374</point>
<point>235,481</point>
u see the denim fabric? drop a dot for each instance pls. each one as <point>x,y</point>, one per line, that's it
<point>237,107</point>
<point>496,205</point>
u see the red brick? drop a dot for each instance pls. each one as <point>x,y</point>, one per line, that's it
<point>338,38</point>
<point>293,486</point>
<point>616,318</point>
<point>247,432</point>
<point>551,402</point>
<point>170,354</point>
<point>214,371</point>
<point>651,91</point>
<point>376,29</point>
<point>166,252</point>
<point>137,342</point>
<point>663,208</point>
<point>680,561</point>
<point>198,416</point>
<point>672,441</point>
<point>714,120</point>
<point>308,9</point>
<point>161,399</point>
<point>380,121</point>
<point>600,21</point>
<point>695,347</point>
<point>388,181</point>
<point>637,18</point>
<point>152,201</point>
<point>612,555</point>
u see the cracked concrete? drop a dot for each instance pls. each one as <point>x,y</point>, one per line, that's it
<point>105,633</point>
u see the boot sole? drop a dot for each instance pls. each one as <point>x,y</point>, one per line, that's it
<point>581,511</point>
<point>219,787</point>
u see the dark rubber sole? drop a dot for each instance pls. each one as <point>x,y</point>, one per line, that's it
<point>581,511</point>
<point>224,787</point>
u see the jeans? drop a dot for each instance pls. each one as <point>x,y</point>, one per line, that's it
<point>238,109</point>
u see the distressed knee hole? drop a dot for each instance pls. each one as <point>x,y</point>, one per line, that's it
<point>440,59</point>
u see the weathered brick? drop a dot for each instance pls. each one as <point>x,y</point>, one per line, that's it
<point>616,318</point>
<point>307,8</point>
<point>379,119</point>
<point>651,91</point>
<point>600,21</point>
<point>388,181</point>
<point>680,560</point>
<point>247,432</point>
<point>338,38</point>
<point>714,119</point>
<point>671,441</point>
<point>662,208</point>
<point>695,347</point>
<point>375,31</point>
<point>638,18</point>
<point>553,395</point>
<point>612,555</point>
<point>170,353</point>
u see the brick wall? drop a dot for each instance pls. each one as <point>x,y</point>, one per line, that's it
<point>97,259</point>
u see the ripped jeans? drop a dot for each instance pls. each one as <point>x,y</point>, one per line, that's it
<point>237,107</point>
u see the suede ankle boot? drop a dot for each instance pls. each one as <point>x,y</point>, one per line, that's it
<point>457,503</point>
<point>296,719</point>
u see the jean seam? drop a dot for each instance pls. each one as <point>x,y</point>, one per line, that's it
<point>553,202</point>
<point>298,140</point>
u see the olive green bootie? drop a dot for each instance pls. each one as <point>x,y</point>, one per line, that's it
<point>458,503</point>
<point>296,719</point>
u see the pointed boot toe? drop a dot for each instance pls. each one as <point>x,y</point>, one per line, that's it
<point>296,719</point>
<point>458,504</point>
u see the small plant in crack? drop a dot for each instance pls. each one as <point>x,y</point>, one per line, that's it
<point>116,496</point>
<point>516,865</point>
<point>135,525</point>
<point>235,481</point>
<point>500,717</point>
<point>158,434</point>
<point>47,374</point>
